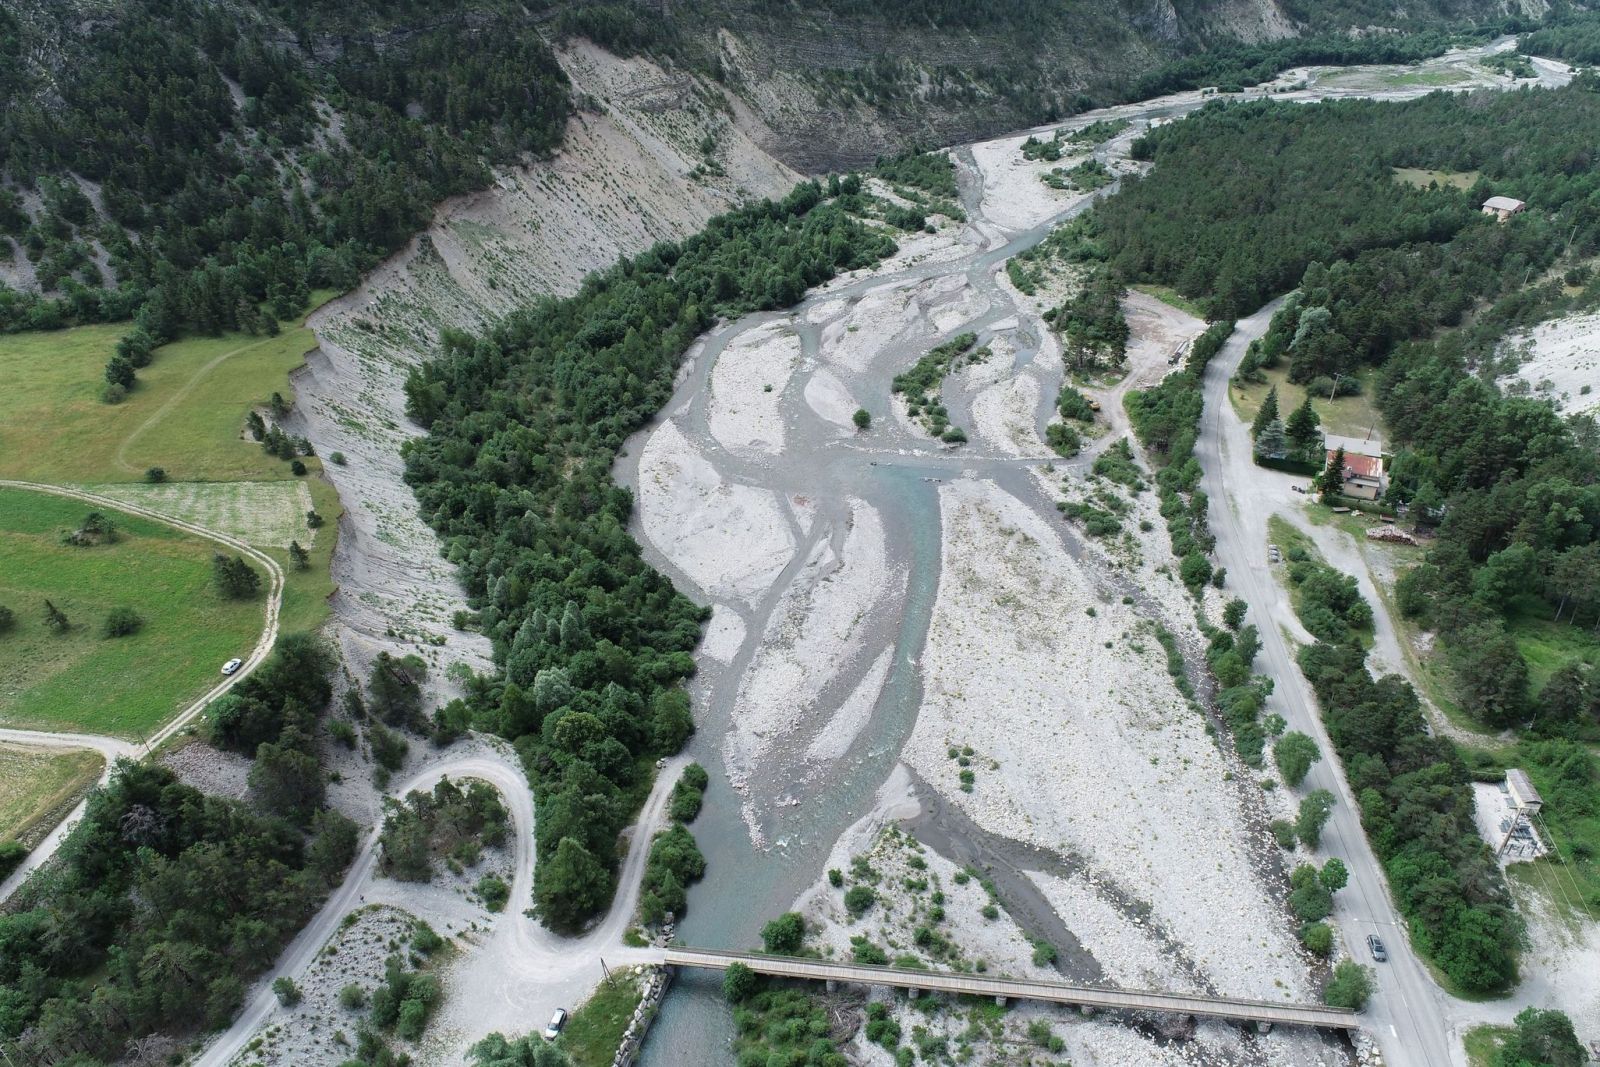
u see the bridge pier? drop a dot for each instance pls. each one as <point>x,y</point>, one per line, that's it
<point>1000,999</point>
<point>1085,1009</point>
<point>1263,1027</point>
<point>831,985</point>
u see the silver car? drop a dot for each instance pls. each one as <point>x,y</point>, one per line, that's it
<point>232,665</point>
<point>557,1021</point>
<point>1375,944</point>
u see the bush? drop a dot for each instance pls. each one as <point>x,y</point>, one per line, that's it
<point>1044,954</point>
<point>297,468</point>
<point>287,992</point>
<point>113,393</point>
<point>493,892</point>
<point>784,935</point>
<point>1283,831</point>
<point>155,475</point>
<point>835,877</point>
<point>862,418</point>
<point>738,982</point>
<point>1317,938</point>
<point>1313,817</point>
<point>859,898</point>
<point>1350,986</point>
<point>1294,754</point>
<point>352,997</point>
<point>12,853</point>
<point>337,458</point>
<point>122,622</point>
<point>8,619</point>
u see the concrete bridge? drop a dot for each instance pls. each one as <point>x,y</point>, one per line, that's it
<point>1239,1010</point>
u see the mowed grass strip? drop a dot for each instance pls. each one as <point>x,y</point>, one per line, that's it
<point>185,415</point>
<point>81,680</point>
<point>39,785</point>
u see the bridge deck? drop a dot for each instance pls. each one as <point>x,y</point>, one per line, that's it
<point>1022,988</point>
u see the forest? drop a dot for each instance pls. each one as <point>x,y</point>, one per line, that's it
<point>514,473</point>
<point>205,207</point>
<point>1573,36</point>
<point>163,903</point>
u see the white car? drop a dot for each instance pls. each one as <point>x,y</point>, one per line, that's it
<point>232,665</point>
<point>557,1021</point>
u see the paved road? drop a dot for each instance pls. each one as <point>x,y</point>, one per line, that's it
<point>1407,1015</point>
<point>114,748</point>
<point>523,972</point>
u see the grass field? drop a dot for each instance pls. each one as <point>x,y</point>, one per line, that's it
<point>38,786</point>
<point>1347,416</point>
<point>595,1030</point>
<point>186,414</point>
<point>1168,295</point>
<point>1483,1042</point>
<point>1548,645</point>
<point>262,513</point>
<point>123,686</point>
<point>1460,179</point>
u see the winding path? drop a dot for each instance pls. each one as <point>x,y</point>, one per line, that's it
<point>523,972</point>
<point>114,748</point>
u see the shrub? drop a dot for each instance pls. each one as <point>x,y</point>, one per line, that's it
<point>337,458</point>
<point>12,853</point>
<point>1283,831</point>
<point>1044,954</point>
<point>1317,938</point>
<point>1313,817</point>
<point>287,992</point>
<point>8,619</point>
<point>352,997</point>
<point>835,877</point>
<point>862,418</point>
<point>113,393</point>
<point>859,898</point>
<point>1294,754</point>
<point>122,622</point>
<point>425,939</point>
<point>784,935</point>
<point>297,468</point>
<point>155,475</point>
<point>1350,986</point>
<point>738,982</point>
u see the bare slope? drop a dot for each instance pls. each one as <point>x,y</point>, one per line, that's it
<point>632,172</point>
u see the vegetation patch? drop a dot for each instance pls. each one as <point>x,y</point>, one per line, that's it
<point>38,786</point>
<point>451,823</point>
<point>922,383</point>
<point>71,677</point>
<point>594,1032</point>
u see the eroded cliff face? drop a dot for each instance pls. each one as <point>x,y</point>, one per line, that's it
<point>835,93</point>
<point>650,155</point>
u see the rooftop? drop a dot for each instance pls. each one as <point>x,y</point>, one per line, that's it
<point>1522,790</point>
<point>1354,446</point>
<point>1503,203</point>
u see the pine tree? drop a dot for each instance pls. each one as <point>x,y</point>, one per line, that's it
<point>1333,475</point>
<point>1273,442</point>
<point>299,556</point>
<point>1267,415</point>
<point>1305,432</point>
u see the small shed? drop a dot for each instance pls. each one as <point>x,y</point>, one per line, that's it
<point>1503,207</point>
<point>1523,795</point>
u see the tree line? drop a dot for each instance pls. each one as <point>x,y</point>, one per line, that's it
<point>523,424</point>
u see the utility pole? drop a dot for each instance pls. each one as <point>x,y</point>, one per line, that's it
<point>605,970</point>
